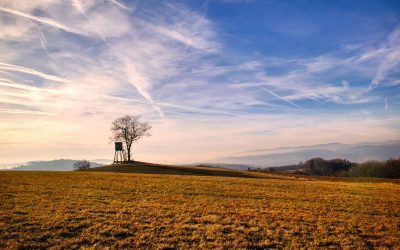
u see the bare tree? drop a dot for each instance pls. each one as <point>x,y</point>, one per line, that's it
<point>82,165</point>
<point>128,129</point>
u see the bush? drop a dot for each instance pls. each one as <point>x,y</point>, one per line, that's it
<point>392,168</point>
<point>82,165</point>
<point>378,169</point>
<point>319,166</point>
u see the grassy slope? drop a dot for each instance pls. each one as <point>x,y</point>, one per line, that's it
<point>151,168</point>
<point>92,209</point>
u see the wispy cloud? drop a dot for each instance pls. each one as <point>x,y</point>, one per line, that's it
<point>68,68</point>
<point>10,67</point>
<point>16,111</point>
<point>389,57</point>
<point>43,20</point>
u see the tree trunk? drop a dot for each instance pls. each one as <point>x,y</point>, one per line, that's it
<point>129,153</point>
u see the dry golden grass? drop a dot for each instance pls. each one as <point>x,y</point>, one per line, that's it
<point>121,210</point>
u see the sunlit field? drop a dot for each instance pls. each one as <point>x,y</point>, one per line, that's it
<point>133,210</point>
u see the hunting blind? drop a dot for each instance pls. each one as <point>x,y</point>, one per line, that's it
<point>119,154</point>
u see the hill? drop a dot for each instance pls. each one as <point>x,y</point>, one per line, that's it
<point>151,168</point>
<point>54,165</point>
<point>360,152</point>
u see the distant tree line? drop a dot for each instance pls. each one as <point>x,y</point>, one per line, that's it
<point>319,166</point>
<point>380,169</point>
<point>343,167</point>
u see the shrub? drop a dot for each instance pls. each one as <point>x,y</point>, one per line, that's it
<point>319,166</point>
<point>82,165</point>
<point>378,169</point>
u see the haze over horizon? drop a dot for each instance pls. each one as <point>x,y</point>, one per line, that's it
<point>213,77</point>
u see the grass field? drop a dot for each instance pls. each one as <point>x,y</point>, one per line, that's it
<point>136,210</point>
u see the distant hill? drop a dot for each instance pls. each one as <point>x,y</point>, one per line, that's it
<point>54,165</point>
<point>292,155</point>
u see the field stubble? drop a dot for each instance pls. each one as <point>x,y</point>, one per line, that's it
<point>96,210</point>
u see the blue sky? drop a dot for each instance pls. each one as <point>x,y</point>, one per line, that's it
<point>213,77</point>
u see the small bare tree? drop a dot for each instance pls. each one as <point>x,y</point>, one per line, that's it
<point>128,129</point>
<point>82,165</point>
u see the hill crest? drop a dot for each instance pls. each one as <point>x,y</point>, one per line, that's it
<point>152,168</point>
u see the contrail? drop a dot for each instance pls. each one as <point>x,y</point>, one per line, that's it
<point>20,111</point>
<point>197,110</point>
<point>386,104</point>
<point>26,87</point>
<point>119,4</point>
<point>185,41</point>
<point>140,83</point>
<point>42,38</point>
<point>15,68</point>
<point>44,20</point>
<point>280,97</point>
<point>322,103</point>
<point>78,6</point>
<point>390,60</point>
<point>5,80</point>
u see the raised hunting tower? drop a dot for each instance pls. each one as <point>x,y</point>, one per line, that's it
<point>119,155</point>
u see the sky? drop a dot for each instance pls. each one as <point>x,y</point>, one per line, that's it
<point>213,77</point>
